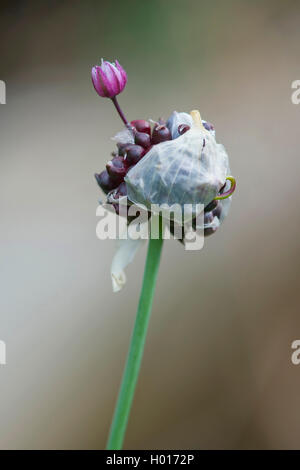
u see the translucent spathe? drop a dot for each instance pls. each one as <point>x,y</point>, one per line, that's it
<point>191,169</point>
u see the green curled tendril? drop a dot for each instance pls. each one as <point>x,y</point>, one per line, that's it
<point>230,190</point>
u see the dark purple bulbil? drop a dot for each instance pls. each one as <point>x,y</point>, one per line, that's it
<point>134,154</point>
<point>116,169</point>
<point>143,139</point>
<point>123,149</point>
<point>183,128</point>
<point>160,134</point>
<point>142,126</point>
<point>104,181</point>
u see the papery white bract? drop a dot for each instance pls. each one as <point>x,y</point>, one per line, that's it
<point>191,169</point>
<point>126,251</point>
<point>124,137</point>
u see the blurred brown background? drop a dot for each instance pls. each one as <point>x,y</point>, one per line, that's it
<point>217,369</point>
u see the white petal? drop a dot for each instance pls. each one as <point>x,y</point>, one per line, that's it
<point>124,255</point>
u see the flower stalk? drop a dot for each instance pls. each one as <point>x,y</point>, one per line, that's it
<point>136,349</point>
<point>121,114</point>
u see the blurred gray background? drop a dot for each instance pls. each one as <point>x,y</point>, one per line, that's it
<point>217,369</point>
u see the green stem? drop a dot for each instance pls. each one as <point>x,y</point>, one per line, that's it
<point>136,349</point>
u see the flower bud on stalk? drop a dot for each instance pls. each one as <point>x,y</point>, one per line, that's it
<point>109,78</point>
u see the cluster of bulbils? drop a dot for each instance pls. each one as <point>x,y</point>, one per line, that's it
<point>138,138</point>
<point>129,154</point>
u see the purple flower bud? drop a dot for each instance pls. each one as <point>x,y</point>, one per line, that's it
<point>109,78</point>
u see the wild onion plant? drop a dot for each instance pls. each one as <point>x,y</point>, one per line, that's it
<point>157,163</point>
